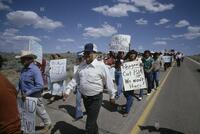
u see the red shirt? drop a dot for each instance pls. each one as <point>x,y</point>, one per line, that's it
<point>9,115</point>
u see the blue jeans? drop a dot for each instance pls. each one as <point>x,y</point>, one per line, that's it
<point>141,93</point>
<point>79,112</point>
<point>129,100</point>
<point>119,82</point>
<point>156,75</point>
<point>149,78</point>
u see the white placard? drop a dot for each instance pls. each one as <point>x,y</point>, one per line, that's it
<point>133,76</point>
<point>58,70</point>
<point>166,59</point>
<point>58,88</point>
<point>27,110</point>
<point>36,49</point>
<point>120,42</point>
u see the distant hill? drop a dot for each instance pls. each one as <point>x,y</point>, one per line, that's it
<point>196,57</point>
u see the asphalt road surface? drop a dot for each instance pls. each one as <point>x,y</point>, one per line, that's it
<point>177,107</point>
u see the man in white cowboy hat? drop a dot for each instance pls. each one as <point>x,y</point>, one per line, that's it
<point>31,85</point>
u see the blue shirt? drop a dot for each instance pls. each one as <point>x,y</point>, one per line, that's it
<point>30,80</point>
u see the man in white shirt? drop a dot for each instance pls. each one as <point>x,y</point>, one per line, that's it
<point>91,77</point>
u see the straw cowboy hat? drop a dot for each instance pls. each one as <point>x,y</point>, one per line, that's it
<point>26,54</point>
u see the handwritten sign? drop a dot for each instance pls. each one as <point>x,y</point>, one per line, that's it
<point>58,70</point>
<point>27,110</point>
<point>58,88</point>
<point>166,59</point>
<point>133,76</point>
<point>36,49</point>
<point>120,42</point>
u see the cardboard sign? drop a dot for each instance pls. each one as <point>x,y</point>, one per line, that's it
<point>120,42</point>
<point>36,49</point>
<point>133,76</point>
<point>166,59</point>
<point>58,88</point>
<point>27,110</point>
<point>58,70</point>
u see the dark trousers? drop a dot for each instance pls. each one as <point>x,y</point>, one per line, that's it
<point>178,61</point>
<point>92,106</point>
<point>129,100</point>
<point>149,78</point>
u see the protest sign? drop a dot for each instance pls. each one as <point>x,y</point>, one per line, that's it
<point>166,59</point>
<point>58,70</point>
<point>36,49</point>
<point>120,42</point>
<point>58,88</point>
<point>27,110</point>
<point>133,76</point>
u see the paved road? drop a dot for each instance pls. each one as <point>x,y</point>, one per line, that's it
<point>110,120</point>
<point>177,108</point>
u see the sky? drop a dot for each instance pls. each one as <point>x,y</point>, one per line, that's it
<point>67,25</point>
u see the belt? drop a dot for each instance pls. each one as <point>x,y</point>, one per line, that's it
<point>87,97</point>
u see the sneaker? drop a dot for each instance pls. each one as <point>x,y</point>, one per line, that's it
<point>140,98</point>
<point>148,94</point>
<point>52,98</point>
<point>46,129</point>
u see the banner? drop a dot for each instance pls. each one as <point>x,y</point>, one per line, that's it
<point>58,70</point>
<point>36,49</point>
<point>166,59</point>
<point>133,76</point>
<point>120,42</point>
<point>27,110</point>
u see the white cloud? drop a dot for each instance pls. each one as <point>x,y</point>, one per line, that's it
<point>162,21</point>
<point>4,6</point>
<point>46,37</point>
<point>79,25</point>
<point>26,38</point>
<point>192,33</point>
<point>163,38</point>
<point>194,29</point>
<point>66,40</point>
<point>10,32</point>
<point>160,43</point>
<point>42,9</point>
<point>153,5</point>
<point>119,25</point>
<point>118,10</point>
<point>22,18</point>
<point>177,35</point>
<point>141,21</point>
<point>140,47</point>
<point>58,48</point>
<point>182,23</point>
<point>105,31</point>
<point>124,1</point>
<point>10,35</point>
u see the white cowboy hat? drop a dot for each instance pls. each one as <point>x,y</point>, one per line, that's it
<point>26,54</point>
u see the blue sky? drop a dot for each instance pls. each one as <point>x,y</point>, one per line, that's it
<point>66,25</point>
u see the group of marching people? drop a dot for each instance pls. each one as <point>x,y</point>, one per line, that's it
<point>172,56</point>
<point>92,75</point>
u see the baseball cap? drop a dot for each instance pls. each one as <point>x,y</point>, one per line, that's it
<point>90,47</point>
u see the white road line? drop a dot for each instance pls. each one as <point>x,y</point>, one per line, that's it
<point>193,60</point>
